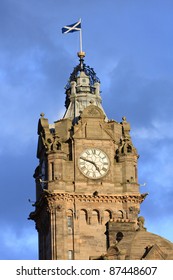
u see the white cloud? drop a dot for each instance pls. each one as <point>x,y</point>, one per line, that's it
<point>158,130</point>
<point>20,243</point>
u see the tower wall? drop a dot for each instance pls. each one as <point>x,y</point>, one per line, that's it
<point>87,174</point>
<point>72,208</point>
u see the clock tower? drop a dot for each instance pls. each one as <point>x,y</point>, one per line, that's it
<point>87,175</point>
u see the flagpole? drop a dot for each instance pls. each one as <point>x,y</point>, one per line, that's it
<point>80,37</point>
<point>81,54</point>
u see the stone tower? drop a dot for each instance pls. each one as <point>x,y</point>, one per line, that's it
<point>86,180</point>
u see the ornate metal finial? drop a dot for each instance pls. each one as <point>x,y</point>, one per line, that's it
<point>42,115</point>
<point>81,56</point>
<point>82,67</point>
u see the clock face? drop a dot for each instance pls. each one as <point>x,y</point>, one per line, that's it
<point>93,163</point>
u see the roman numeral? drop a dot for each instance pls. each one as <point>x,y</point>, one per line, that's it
<point>104,169</point>
<point>103,157</point>
<point>83,168</point>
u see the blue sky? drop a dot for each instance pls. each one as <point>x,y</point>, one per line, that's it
<point>129,43</point>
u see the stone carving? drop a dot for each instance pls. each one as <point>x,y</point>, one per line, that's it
<point>140,223</point>
<point>59,207</point>
<point>93,112</point>
<point>125,145</point>
<point>114,253</point>
<point>50,143</point>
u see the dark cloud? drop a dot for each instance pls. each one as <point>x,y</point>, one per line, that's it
<point>139,96</point>
<point>147,104</point>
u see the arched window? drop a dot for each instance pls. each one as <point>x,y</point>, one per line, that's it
<point>107,216</point>
<point>58,145</point>
<point>83,216</point>
<point>95,217</point>
<point>120,214</point>
<point>119,236</point>
<point>129,148</point>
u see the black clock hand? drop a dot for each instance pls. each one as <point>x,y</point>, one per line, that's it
<point>92,162</point>
<point>87,160</point>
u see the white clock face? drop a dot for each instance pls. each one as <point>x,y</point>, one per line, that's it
<point>93,163</point>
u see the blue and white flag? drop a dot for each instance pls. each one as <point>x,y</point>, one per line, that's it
<point>72,27</point>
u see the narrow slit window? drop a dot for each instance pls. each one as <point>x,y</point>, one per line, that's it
<point>70,224</point>
<point>52,173</point>
<point>70,221</point>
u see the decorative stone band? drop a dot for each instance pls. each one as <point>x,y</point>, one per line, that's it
<point>54,199</point>
<point>57,196</point>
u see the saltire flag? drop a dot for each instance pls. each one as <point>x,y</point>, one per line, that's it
<point>72,27</point>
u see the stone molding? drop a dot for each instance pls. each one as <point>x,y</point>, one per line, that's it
<point>53,199</point>
<point>57,196</point>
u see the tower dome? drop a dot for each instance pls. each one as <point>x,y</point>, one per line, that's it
<point>82,90</point>
<point>130,241</point>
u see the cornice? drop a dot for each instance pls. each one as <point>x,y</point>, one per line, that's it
<point>50,201</point>
<point>104,198</point>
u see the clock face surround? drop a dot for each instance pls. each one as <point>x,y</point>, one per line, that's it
<point>93,163</point>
